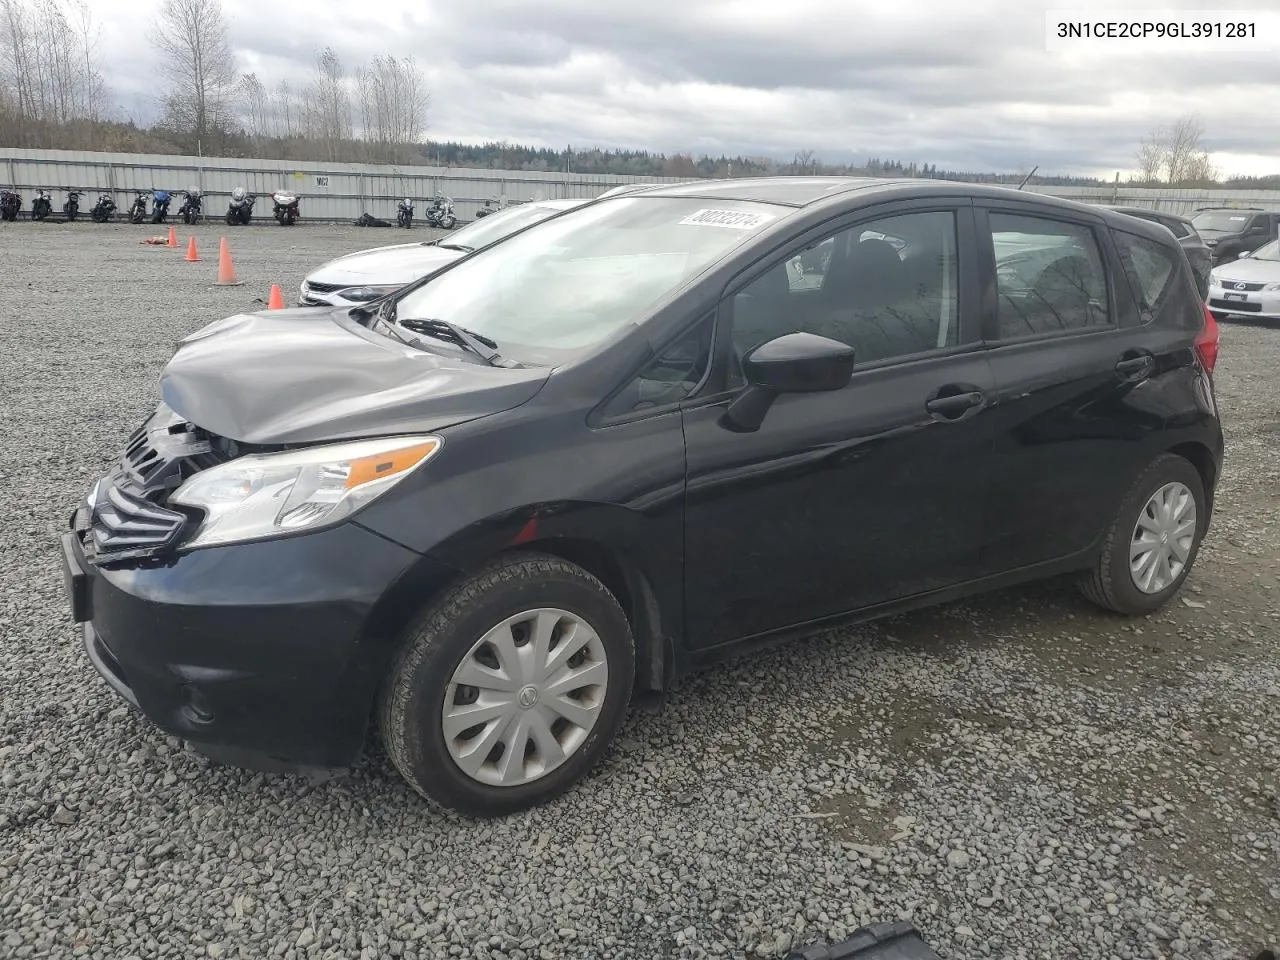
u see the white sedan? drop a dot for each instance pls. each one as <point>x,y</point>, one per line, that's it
<point>371,274</point>
<point>1250,286</point>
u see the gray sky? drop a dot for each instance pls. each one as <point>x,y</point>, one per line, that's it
<point>967,86</point>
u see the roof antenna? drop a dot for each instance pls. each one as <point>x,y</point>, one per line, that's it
<point>1028,176</point>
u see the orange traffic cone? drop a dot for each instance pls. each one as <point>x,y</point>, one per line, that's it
<point>173,238</point>
<point>276,300</point>
<point>226,270</point>
<point>192,255</point>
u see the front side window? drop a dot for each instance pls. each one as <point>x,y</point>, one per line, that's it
<point>1049,276</point>
<point>887,288</point>
<point>568,284</point>
<point>1150,267</point>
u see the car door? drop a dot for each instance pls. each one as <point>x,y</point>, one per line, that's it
<point>1074,410</point>
<point>845,499</point>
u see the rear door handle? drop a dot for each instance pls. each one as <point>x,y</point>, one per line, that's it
<point>1136,368</point>
<point>956,406</point>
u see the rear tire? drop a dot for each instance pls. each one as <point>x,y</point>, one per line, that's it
<point>422,685</point>
<point>1113,583</point>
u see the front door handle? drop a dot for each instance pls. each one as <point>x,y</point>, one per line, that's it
<point>956,406</point>
<point>1137,367</point>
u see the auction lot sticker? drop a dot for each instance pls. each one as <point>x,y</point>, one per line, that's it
<point>733,219</point>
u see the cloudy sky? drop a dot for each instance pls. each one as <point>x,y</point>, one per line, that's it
<point>964,85</point>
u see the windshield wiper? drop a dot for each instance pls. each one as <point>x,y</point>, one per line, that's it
<point>455,246</point>
<point>481,346</point>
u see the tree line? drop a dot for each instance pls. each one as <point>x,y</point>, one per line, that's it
<point>53,95</point>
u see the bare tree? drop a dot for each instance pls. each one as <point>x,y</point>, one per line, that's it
<point>192,38</point>
<point>254,95</point>
<point>393,102</point>
<point>286,111</point>
<point>804,162</point>
<point>1175,154</point>
<point>328,104</point>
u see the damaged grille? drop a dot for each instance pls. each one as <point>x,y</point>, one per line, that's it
<point>127,517</point>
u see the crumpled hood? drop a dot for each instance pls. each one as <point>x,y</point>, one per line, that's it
<point>307,375</point>
<point>1254,271</point>
<point>399,264</point>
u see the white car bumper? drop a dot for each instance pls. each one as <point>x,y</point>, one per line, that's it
<point>1225,297</point>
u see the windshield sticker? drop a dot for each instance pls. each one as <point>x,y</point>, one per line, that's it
<point>734,219</point>
<point>1237,219</point>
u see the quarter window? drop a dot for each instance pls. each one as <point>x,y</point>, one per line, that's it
<point>887,288</point>
<point>670,377</point>
<point>1049,276</point>
<point>1150,267</point>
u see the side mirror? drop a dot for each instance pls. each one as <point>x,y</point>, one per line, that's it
<point>1243,254</point>
<point>794,363</point>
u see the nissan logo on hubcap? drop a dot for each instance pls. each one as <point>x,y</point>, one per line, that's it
<point>527,697</point>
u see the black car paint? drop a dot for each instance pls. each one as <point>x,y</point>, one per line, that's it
<point>843,505</point>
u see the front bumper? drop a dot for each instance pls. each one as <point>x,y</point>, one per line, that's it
<point>266,655</point>
<point>1224,298</point>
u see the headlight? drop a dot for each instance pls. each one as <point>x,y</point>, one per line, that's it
<point>1272,286</point>
<point>365,294</point>
<point>265,495</point>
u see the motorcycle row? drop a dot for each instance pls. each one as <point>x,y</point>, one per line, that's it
<point>439,214</point>
<point>239,209</point>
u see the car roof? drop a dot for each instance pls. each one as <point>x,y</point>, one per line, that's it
<point>1146,212</point>
<point>564,204</point>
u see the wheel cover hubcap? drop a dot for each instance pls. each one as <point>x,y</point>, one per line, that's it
<point>525,697</point>
<point>1162,538</point>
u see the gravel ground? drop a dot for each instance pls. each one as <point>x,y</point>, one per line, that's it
<point>1021,775</point>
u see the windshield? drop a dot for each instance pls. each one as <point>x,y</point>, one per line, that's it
<point>1269,251</point>
<point>583,276</point>
<point>1221,222</point>
<point>494,227</point>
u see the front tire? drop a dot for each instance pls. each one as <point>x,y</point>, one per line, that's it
<point>538,653</point>
<point>1153,541</point>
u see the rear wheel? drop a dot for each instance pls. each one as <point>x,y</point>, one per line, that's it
<point>510,688</point>
<point>1153,541</point>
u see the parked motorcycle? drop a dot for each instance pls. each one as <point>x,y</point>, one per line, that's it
<point>104,209</point>
<point>240,209</point>
<point>42,205</point>
<point>286,207</point>
<point>138,211</point>
<point>487,209</point>
<point>10,204</point>
<point>404,213</point>
<point>161,200</point>
<point>72,207</point>
<point>190,209</point>
<point>440,213</point>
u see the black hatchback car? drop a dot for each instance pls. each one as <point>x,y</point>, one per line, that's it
<point>629,441</point>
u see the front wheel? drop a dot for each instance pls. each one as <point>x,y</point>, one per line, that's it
<point>448,222</point>
<point>1153,541</point>
<point>510,687</point>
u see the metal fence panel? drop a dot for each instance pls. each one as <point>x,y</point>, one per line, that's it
<point>343,191</point>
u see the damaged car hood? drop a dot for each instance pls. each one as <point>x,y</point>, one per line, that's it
<point>308,375</point>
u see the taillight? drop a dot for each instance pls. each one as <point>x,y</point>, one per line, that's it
<point>1207,341</point>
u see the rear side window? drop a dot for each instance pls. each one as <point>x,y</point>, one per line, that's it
<point>1150,266</point>
<point>1180,228</point>
<point>1049,276</point>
